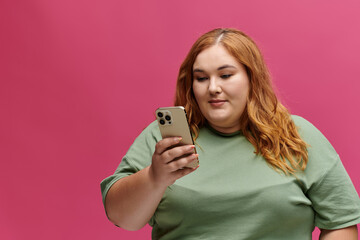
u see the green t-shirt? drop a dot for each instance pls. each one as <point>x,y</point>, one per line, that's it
<point>235,194</point>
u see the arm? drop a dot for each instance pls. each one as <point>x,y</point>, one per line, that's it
<point>132,201</point>
<point>349,233</point>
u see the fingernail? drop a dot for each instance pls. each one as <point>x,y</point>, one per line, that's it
<point>178,139</point>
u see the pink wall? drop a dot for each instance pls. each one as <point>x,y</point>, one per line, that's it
<point>80,79</point>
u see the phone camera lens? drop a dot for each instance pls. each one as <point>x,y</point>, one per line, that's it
<point>167,117</point>
<point>162,122</point>
<point>160,114</point>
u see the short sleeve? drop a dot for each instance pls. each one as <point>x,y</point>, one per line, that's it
<point>334,199</point>
<point>137,157</point>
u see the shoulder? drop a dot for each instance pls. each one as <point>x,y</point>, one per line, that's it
<point>150,133</point>
<point>321,154</point>
<point>140,152</point>
<point>309,133</point>
<point>151,129</point>
<point>303,124</point>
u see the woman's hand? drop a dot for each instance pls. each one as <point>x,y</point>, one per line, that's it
<point>168,162</point>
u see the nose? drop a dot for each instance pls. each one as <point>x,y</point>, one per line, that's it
<point>214,86</point>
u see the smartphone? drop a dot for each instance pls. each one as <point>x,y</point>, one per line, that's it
<point>173,123</point>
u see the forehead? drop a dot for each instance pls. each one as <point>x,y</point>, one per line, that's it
<point>214,57</point>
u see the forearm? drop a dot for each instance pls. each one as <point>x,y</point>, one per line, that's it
<point>131,201</point>
<point>349,233</point>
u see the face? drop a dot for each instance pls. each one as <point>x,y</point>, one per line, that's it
<point>220,86</point>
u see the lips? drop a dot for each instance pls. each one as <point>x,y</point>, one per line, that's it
<point>217,102</point>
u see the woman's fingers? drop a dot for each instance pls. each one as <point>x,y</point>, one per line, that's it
<point>183,172</point>
<point>169,160</point>
<point>181,162</point>
<point>177,152</point>
<point>165,143</point>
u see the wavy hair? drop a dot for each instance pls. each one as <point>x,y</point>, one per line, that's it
<point>265,122</point>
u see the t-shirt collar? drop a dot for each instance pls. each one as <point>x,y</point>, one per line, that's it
<point>239,132</point>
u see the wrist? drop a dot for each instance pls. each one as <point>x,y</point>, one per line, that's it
<point>153,181</point>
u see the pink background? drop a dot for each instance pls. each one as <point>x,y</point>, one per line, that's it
<point>81,79</point>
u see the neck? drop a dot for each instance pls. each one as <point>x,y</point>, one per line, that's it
<point>230,129</point>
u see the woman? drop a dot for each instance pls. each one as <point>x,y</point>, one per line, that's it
<point>264,174</point>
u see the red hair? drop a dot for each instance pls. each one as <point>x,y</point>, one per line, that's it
<point>265,122</point>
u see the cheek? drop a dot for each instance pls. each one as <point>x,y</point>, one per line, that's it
<point>240,89</point>
<point>197,90</point>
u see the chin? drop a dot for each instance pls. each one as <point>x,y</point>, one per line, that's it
<point>218,118</point>
<point>220,122</point>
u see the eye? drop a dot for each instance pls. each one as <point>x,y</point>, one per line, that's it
<point>225,76</point>
<point>200,79</point>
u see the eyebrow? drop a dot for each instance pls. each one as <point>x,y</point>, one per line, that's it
<point>220,68</point>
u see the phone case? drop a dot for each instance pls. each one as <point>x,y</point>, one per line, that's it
<point>173,123</point>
